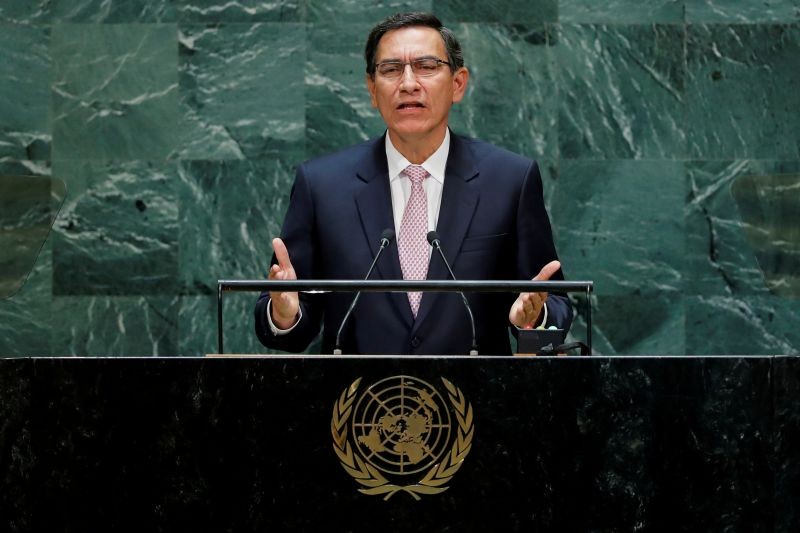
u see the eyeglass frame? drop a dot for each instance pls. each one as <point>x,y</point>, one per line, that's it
<point>411,63</point>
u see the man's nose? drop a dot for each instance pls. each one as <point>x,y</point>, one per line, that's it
<point>408,81</point>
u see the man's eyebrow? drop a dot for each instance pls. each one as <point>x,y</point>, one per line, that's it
<point>397,60</point>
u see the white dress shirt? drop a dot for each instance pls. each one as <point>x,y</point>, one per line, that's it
<point>433,185</point>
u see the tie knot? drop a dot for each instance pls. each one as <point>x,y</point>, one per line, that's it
<point>416,173</point>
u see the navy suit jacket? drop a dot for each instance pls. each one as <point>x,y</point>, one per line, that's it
<point>492,225</point>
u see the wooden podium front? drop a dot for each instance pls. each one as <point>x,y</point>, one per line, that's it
<point>400,444</point>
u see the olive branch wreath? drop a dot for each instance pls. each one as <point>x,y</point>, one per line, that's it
<point>370,477</point>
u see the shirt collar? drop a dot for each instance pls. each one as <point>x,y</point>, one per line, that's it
<point>435,164</point>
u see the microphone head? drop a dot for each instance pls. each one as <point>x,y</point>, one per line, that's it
<point>387,235</point>
<point>433,238</point>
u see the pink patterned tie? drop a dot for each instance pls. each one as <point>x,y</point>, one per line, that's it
<point>412,242</point>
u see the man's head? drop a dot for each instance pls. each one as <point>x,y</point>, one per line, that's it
<point>406,20</point>
<point>415,72</point>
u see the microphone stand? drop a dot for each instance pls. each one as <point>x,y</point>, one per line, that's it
<point>433,239</point>
<point>386,238</point>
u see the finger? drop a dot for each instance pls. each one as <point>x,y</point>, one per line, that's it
<point>282,254</point>
<point>274,270</point>
<point>527,307</point>
<point>517,314</point>
<point>286,299</point>
<point>284,303</point>
<point>547,271</point>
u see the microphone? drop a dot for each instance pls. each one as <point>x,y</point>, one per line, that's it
<point>386,239</point>
<point>433,240</point>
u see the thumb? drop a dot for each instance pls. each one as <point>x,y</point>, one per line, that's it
<point>547,271</point>
<point>281,254</point>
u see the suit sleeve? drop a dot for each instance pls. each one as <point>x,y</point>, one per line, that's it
<point>299,235</point>
<point>535,247</point>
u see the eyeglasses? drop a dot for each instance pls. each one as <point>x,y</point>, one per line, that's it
<point>422,68</point>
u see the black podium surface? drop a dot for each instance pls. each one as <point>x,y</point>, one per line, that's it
<point>523,444</point>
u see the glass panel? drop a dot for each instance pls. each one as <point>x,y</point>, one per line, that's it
<point>771,222</point>
<point>28,208</point>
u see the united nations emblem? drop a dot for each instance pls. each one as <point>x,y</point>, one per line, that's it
<point>401,435</point>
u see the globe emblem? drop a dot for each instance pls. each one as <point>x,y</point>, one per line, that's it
<point>401,425</point>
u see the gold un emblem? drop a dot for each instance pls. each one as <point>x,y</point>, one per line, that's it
<point>398,435</point>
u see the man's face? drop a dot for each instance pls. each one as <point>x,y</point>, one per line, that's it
<point>415,107</point>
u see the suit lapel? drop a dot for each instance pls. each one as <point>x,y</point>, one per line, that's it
<point>459,201</point>
<point>374,203</point>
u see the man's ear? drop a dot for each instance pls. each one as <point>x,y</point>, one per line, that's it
<point>371,88</point>
<point>460,81</point>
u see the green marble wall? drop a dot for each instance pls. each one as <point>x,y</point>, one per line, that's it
<point>668,130</point>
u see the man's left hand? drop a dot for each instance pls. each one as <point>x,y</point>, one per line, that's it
<point>526,310</point>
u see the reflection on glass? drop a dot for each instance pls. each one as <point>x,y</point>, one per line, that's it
<point>28,208</point>
<point>771,222</point>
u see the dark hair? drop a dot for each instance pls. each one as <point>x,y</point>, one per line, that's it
<point>405,20</point>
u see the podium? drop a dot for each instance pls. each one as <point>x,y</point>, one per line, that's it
<point>542,443</point>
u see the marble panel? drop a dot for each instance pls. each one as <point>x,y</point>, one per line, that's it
<point>621,91</point>
<point>510,98</point>
<point>651,324</point>
<point>10,167</point>
<point>697,420</point>
<point>197,327</point>
<point>620,224</point>
<point>338,108</point>
<point>235,209</point>
<point>117,231</point>
<point>508,11</point>
<point>197,324</point>
<point>734,433</point>
<point>737,241</point>
<point>786,372</point>
<point>241,90</point>
<point>24,92</point>
<point>621,11</point>
<point>25,11</point>
<point>120,326</point>
<point>25,317</point>
<point>17,458</point>
<point>742,11</point>
<point>743,91</point>
<point>93,11</point>
<point>207,444</point>
<point>738,326</point>
<point>549,169</point>
<point>113,11</point>
<point>114,91</point>
<point>370,13</point>
<point>241,11</point>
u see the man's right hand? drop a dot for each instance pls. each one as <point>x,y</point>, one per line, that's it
<point>285,305</point>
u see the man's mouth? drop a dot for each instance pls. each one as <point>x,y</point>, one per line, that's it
<point>410,105</point>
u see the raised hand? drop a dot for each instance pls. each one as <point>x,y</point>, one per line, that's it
<point>285,305</point>
<point>527,308</point>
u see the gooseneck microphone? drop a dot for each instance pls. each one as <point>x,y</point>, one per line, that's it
<point>386,239</point>
<point>433,240</point>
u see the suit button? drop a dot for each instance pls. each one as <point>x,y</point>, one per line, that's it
<point>415,342</point>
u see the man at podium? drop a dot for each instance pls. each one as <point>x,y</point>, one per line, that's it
<point>484,203</point>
